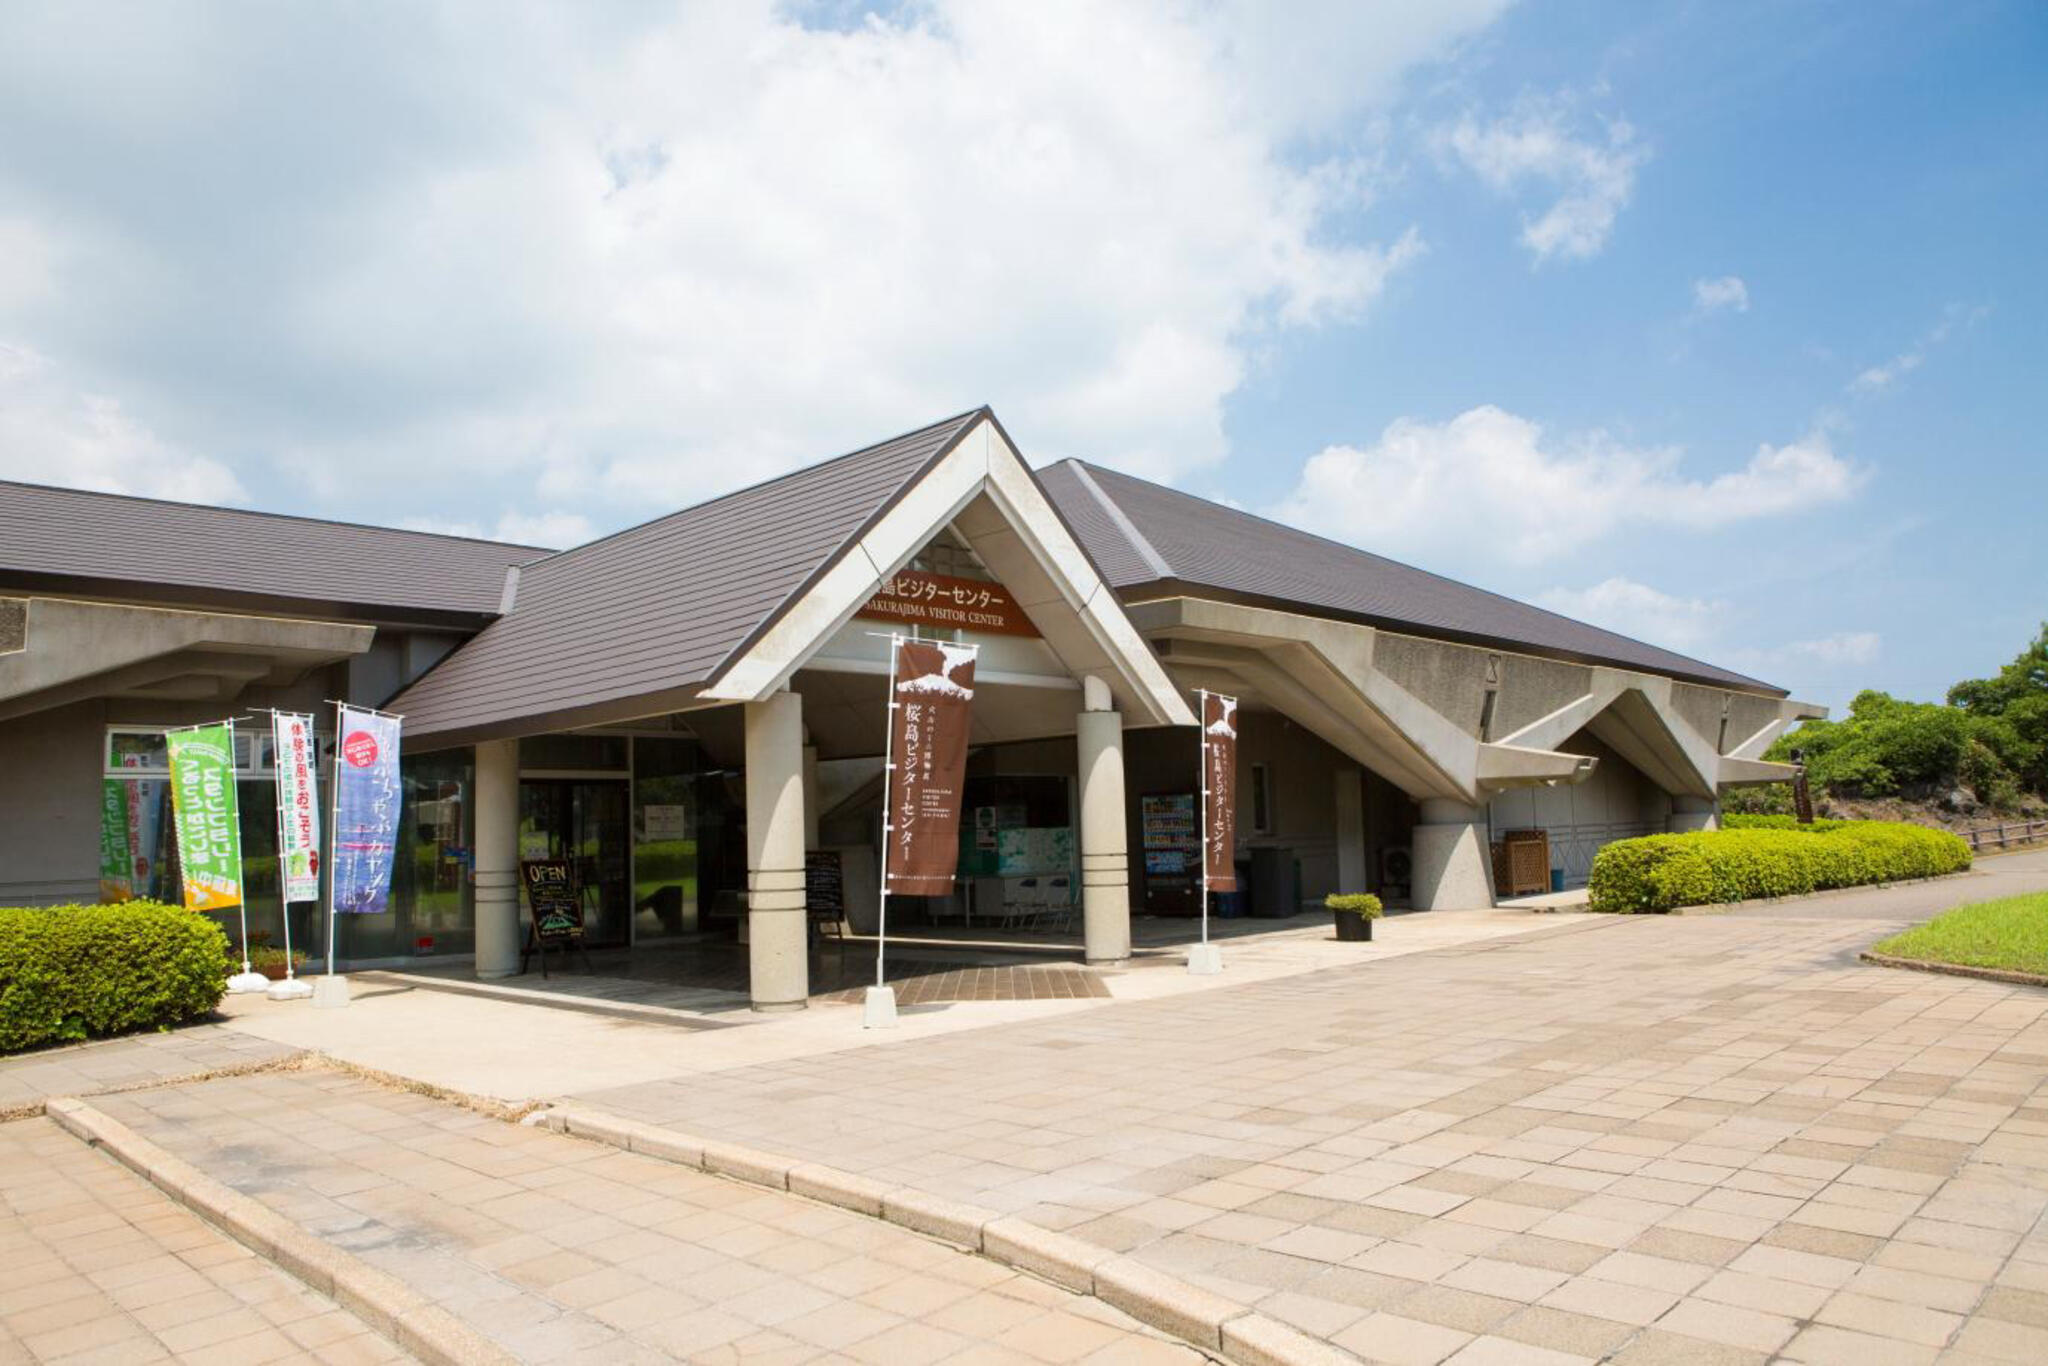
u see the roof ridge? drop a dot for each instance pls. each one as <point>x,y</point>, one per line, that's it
<point>542,550</point>
<point>1138,539</point>
<point>759,484</point>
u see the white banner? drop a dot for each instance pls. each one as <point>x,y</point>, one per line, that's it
<point>298,805</point>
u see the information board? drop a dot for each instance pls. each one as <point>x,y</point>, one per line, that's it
<point>824,884</point>
<point>552,897</point>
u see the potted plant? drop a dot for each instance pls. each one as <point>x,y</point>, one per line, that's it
<point>270,961</point>
<point>1354,912</point>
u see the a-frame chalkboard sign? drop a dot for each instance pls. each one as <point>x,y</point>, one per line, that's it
<point>557,906</point>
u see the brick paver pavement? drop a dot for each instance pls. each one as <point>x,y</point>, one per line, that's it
<point>1713,1139</point>
<point>566,1250</point>
<point>28,1079</point>
<point>100,1266</point>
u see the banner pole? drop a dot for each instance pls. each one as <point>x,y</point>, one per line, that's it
<point>1204,959</point>
<point>879,1009</point>
<point>291,988</point>
<point>1202,758</point>
<point>332,991</point>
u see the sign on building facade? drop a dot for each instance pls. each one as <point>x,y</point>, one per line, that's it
<point>916,598</point>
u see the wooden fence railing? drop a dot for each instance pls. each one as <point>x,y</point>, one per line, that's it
<point>2005,835</point>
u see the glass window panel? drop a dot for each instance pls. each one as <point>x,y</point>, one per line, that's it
<point>667,894</point>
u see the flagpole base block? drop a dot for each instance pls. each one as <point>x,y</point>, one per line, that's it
<point>878,1010</point>
<point>1205,960</point>
<point>248,983</point>
<point>330,992</point>
<point>290,990</point>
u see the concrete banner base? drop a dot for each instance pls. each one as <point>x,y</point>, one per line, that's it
<point>878,1009</point>
<point>330,992</point>
<point>1205,960</point>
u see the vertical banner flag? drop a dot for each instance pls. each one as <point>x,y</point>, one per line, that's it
<point>117,860</point>
<point>209,825</point>
<point>366,800</point>
<point>298,805</point>
<point>928,739</point>
<point>1219,781</point>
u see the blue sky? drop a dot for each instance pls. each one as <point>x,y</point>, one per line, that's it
<point>1715,323</point>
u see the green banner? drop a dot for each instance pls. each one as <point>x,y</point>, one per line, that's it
<point>117,861</point>
<point>209,824</point>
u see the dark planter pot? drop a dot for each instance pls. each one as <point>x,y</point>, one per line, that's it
<point>1354,928</point>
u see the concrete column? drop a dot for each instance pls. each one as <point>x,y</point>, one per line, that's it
<point>497,858</point>
<point>777,939</point>
<point>1453,868</point>
<point>1352,868</point>
<point>811,797</point>
<point>1693,813</point>
<point>1105,856</point>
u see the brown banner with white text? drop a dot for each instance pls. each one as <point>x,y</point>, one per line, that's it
<point>928,727</point>
<point>1219,780</point>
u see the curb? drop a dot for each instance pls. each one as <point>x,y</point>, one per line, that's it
<point>2008,976</point>
<point>382,1301</point>
<point>1208,1321</point>
<point>494,991</point>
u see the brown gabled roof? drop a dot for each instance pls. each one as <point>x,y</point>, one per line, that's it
<point>72,540</point>
<point>1150,540</point>
<point>660,607</point>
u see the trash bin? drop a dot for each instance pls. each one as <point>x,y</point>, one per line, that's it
<point>1273,884</point>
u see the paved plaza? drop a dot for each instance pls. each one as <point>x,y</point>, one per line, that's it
<point>1717,1137</point>
<point>1700,1138</point>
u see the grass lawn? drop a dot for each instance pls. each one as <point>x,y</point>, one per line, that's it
<point>2011,933</point>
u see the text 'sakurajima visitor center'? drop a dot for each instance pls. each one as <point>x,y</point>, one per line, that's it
<point>687,708</point>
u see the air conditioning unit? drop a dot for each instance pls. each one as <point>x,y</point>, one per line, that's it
<point>1397,868</point>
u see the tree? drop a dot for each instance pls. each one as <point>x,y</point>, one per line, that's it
<point>2014,709</point>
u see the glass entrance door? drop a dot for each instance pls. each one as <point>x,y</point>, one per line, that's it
<point>585,822</point>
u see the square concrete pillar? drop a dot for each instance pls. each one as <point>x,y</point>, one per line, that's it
<point>1105,856</point>
<point>1453,867</point>
<point>777,936</point>
<point>1693,813</point>
<point>497,858</point>
<point>1352,868</point>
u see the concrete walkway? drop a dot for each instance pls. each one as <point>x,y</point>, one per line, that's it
<point>563,1250</point>
<point>460,1041</point>
<point>28,1079</point>
<point>1715,1139</point>
<point>102,1267</point>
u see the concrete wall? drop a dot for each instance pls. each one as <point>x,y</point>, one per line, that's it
<point>1451,679</point>
<point>50,806</point>
<point>1617,802</point>
<point>13,624</point>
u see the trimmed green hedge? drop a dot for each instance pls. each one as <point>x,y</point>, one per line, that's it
<point>1659,872</point>
<point>82,972</point>
<point>1735,820</point>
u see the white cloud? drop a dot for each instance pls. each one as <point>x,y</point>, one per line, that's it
<point>53,433</point>
<point>1592,176</point>
<point>554,530</point>
<point>1878,378</point>
<point>630,258</point>
<point>1486,484</point>
<point>1728,294</point>
<point>1638,610</point>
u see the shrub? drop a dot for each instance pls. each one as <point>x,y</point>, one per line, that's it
<point>1660,872</point>
<point>1356,903</point>
<point>1736,820</point>
<point>83,972</point>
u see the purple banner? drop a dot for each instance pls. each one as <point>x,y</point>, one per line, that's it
<point>366,801</point>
